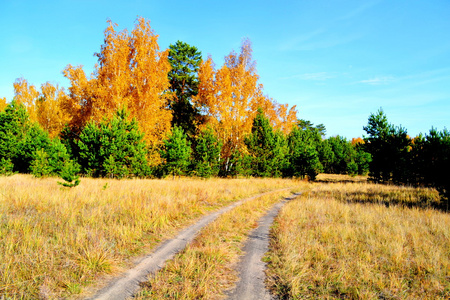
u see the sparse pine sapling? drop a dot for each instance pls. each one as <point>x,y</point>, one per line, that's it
<point>69,174</point>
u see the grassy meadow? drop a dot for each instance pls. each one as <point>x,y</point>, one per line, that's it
<point>361,241</point>
<point>342,239</point>
<point>54,241</point>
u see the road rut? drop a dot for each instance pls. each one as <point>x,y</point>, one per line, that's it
<point>251,268</point>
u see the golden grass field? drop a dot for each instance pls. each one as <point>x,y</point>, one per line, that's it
<point>344,239</point>
<point>54,241</point>
<point>349,241</point>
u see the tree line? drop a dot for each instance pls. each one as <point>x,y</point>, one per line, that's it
<point>116,148</point>
<point>420,161</point>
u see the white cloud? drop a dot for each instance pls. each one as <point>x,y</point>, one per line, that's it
<point>378,80</point>
<point>318,76</point>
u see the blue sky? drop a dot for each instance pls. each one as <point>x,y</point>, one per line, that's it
<point>338,61</point>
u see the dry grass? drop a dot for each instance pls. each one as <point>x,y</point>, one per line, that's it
<point>205,269</point>
<point>324,247</point>
<point>380,194</point>
<point>340,178</point>
<point>54,241</point>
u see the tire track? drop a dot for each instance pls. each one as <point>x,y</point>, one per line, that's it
<point>251,268</point>
<point>127,285</point>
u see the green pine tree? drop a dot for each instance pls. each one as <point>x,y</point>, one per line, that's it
<point>176,152</point>
<point>207,154</point>
<point>183,77</point>
<point>113,148</point>
<point>266,148</point>
<point>303,156</point>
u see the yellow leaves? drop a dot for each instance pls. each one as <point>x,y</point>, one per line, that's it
<point>357,141</point>
<point>44,107</point>
<point>27,95</point>
<point>50,114</point>
<point>227,96</point>
<point>78,105</point>
<point>132,73</point>
<point>231,96</point>
<point>2,104</point>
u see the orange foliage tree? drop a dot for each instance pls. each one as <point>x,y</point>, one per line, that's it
<point>50,114</point>
<point>229,98</point>
<point>2,103</point>
<point>131,73</point>
<point>26,94</point>
<point>357,141</point>
<point>44,106</point>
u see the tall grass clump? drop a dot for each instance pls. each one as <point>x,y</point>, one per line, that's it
<point>55,241</point>
<point>205,269</point>
<point>326,248</point>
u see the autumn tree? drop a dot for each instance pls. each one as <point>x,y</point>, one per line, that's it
<point>45,106</point>
<point>26,94</point>
<point>131,73</point>
<point>183,77</point>
<point>230,97</point>
<point>2,103</point>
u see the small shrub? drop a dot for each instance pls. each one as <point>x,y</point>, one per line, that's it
<point>6,167</point>
<point>68,173</point>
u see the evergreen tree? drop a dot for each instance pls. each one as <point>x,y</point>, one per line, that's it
<point>433,161</point>
<point>51,161</point>
<point>176,152</point>
<point>326,156</point>
<point>303,155</point>
<point>113,148</point>
<point>307,125</point>
<point>389,147</point>
<point>266,148</point>
<point>207,154</point>
<point>19,138</point>
<point>362,160</point>
<point>69,174</point>
<point>183,77</point>
<point>40,166</point>
<point>339,156</point>
<point>6,167</point>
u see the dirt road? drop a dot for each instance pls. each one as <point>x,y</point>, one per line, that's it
<point>127,285</point>
<point>251,268</point>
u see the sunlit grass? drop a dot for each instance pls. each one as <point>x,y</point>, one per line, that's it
<point>340,178</point>
<point>54,241</point>
<point>326,246</point>
<point>206,268</point>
